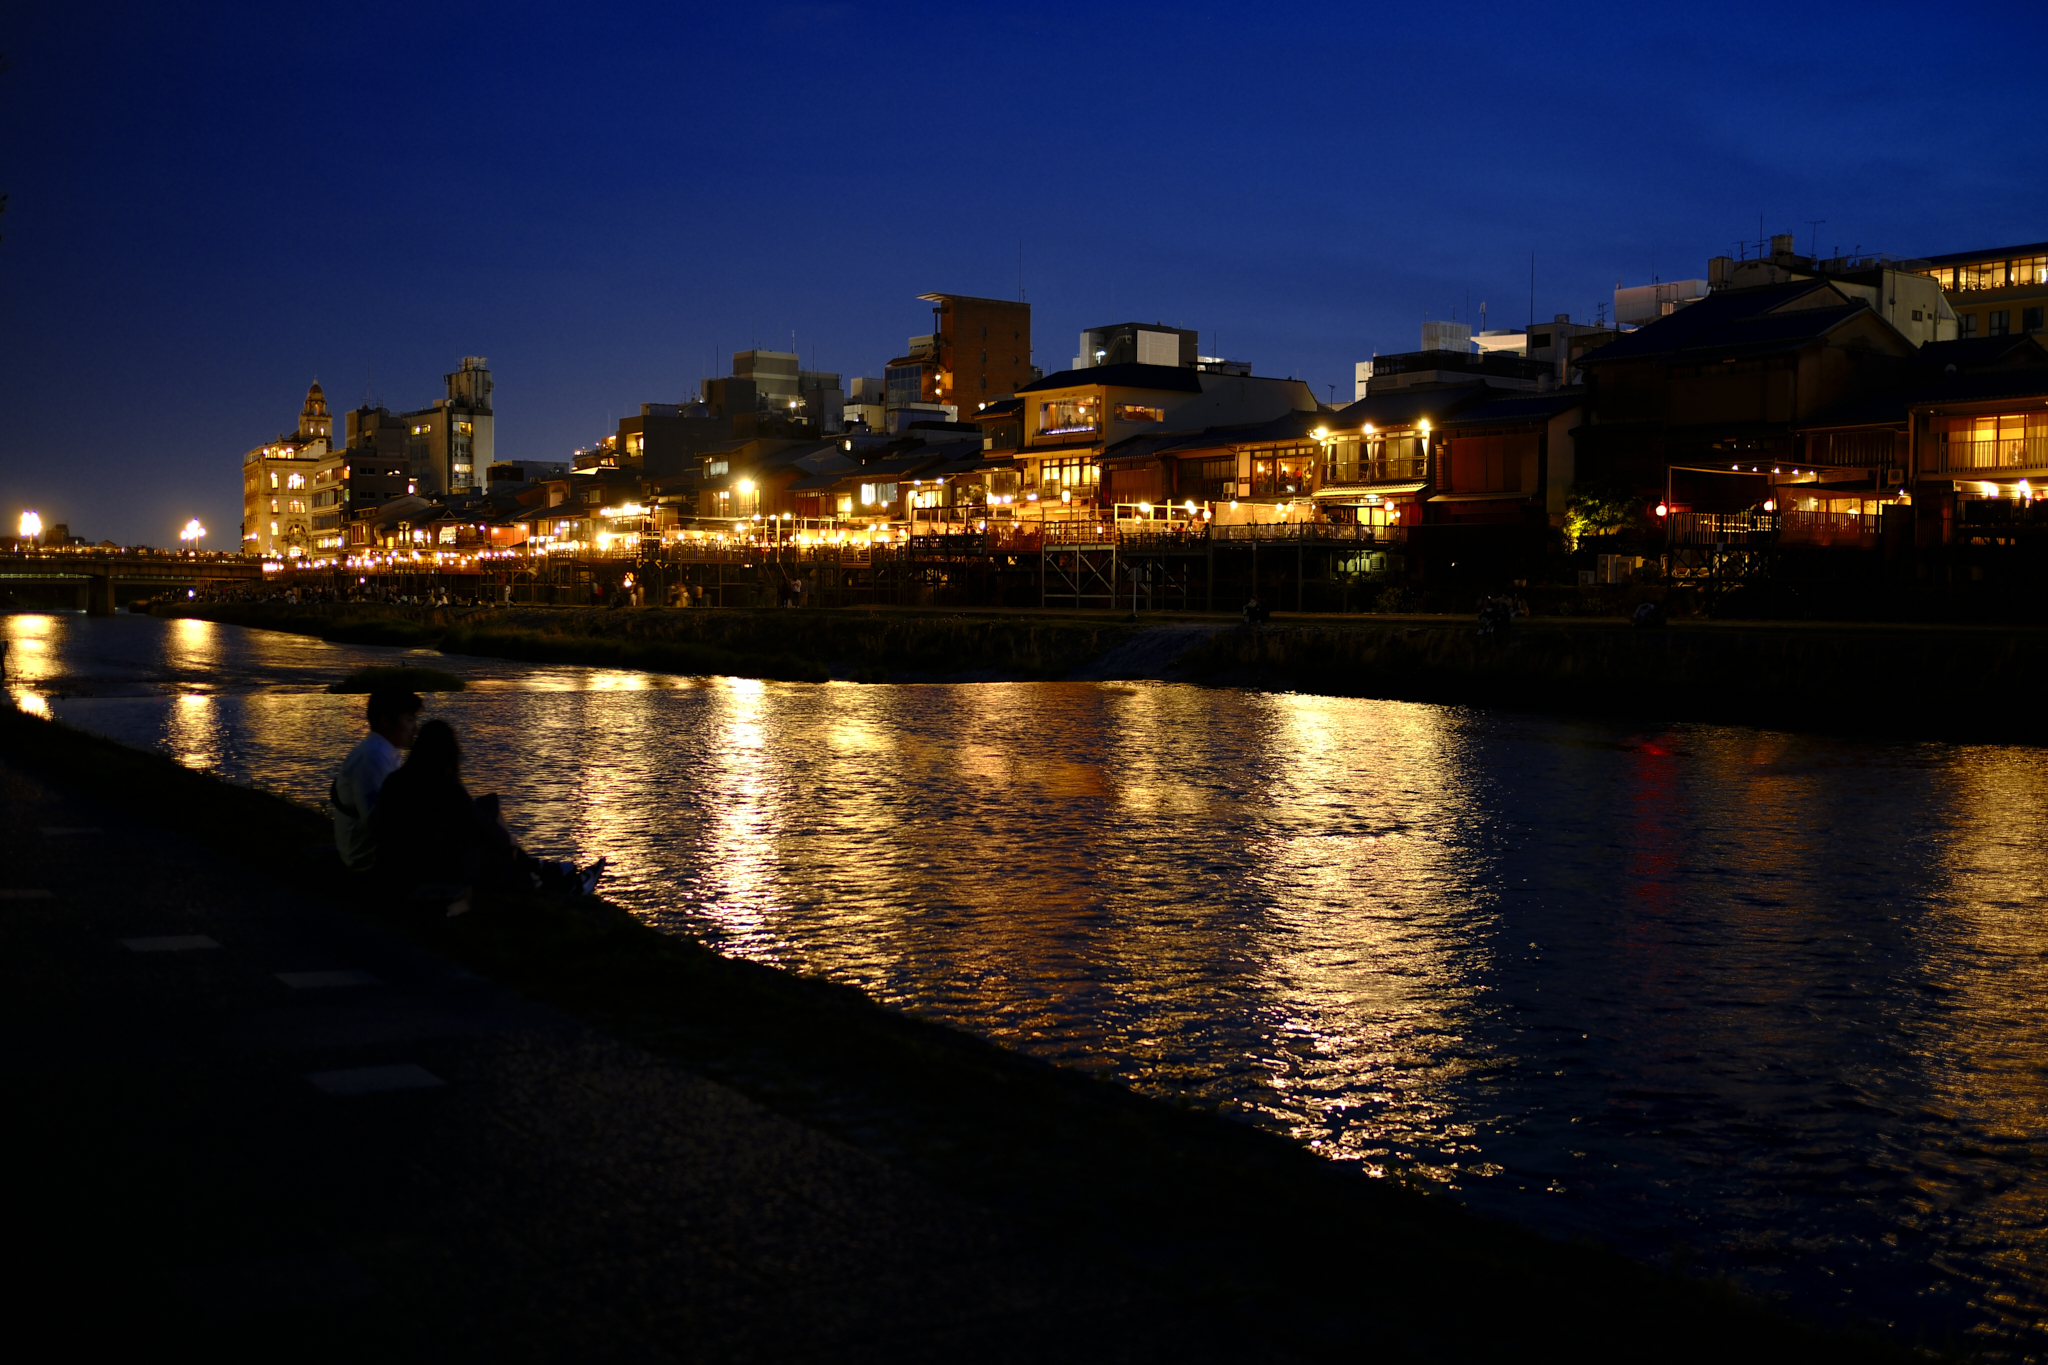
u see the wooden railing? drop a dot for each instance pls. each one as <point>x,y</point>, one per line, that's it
<point>2011,452</point>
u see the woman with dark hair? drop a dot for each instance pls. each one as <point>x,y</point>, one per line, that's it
<point>428,830</point>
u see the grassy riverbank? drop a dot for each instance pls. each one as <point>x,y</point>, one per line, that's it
<point>1873,680</point>
<point>1310,1256</point>
<point>793,646</point>
<point>1911,681</point>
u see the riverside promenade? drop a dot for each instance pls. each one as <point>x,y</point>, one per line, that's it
<point>253,1110</point>
<point>243,1119</point>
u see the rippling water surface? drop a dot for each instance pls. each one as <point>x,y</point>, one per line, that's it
<point>1771,1004</point>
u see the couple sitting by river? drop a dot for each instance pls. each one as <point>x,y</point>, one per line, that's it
<point>408,820</point>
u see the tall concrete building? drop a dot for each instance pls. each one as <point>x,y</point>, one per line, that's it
<point>978,350</point>
<point>1138,343</point>
<point>277,484</point>
<point>370,467</point>
<point>768,393</point>
<point>449,445</point>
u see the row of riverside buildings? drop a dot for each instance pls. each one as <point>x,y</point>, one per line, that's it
<point>1830,404</point>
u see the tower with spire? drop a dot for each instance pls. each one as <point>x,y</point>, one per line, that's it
<point>314,423</point>
<point>288,486</point>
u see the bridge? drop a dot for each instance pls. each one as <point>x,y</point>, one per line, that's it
<point>97,578</point>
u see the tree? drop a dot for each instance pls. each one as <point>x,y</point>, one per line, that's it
<point>1602,508</point>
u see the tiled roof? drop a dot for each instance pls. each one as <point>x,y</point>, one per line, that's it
<point>1160,378</point>
<point>1732,319</point>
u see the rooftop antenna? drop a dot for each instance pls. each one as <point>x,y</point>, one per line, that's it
<point>1020,270</point>
<point>1813,242</point>
<point>1532,289</point>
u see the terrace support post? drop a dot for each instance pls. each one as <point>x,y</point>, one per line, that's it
<point>1209,553</point>
<point>1300,574</point>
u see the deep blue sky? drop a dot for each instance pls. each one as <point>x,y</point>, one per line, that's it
<point>212,206</point>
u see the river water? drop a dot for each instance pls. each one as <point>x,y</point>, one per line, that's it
<point>1773,1005</point>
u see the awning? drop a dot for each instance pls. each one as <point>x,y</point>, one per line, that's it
<point>1480,497</point>
<point>1382,491</point>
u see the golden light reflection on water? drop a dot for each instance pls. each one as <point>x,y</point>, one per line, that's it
<point>192,733</point>
<point>1775,1001</point>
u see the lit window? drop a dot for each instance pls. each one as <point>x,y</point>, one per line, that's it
<point>1139,412</point>
<point>1064,415</point>
<point>1055,475</point>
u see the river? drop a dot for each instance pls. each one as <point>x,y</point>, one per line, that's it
<point>1768,1004</point>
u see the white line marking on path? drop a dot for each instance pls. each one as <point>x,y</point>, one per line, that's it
<point>168,943</point>
<point>373,1080</point>
<point>312,981</point>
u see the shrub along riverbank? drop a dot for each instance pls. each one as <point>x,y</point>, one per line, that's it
<point>793,646</point>
<point>1308,1257</point>
<point>1930,682</point>
<point>1908,681</point>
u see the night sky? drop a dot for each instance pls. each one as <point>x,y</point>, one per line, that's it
<point>212,207</point>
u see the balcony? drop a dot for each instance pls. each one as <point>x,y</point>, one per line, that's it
<point>1314,532</point>
<point>1405,469</point>
<point>2008,453</point>
<point>1847,530</point>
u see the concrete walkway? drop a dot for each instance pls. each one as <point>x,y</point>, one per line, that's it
<point>241,1121</point>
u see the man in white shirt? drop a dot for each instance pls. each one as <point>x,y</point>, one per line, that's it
<point>394,720</point>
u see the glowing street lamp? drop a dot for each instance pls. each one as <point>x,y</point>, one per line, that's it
<point>193,533</point>
<point>31,525</point>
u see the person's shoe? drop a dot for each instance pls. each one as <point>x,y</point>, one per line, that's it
<point>587,879</point>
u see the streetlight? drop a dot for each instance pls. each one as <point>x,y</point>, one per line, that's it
<point>193,533</point>
<point>31,525</point>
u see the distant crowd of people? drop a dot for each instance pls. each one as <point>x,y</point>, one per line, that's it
<point>403,816</point>
<point>305,596</point>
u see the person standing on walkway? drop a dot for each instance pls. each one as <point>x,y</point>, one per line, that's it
<point>394,721</point>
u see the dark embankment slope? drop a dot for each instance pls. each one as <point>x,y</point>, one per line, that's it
<point>1312,1259</point>
<point>1905,681</point>
<point>793,646</point>
<point>1929,682</point>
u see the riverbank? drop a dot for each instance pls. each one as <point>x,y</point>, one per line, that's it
<point>1873,680</point>
<point>788,646</point>
<point>1898,681</point>
<point>1294,1256</point>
